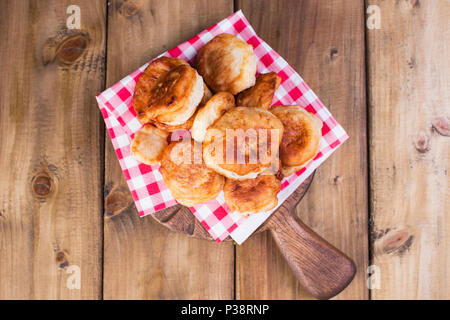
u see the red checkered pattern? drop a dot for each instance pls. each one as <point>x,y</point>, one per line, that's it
<point>145,182</point>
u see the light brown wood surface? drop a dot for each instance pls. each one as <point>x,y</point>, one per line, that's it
<point>409,94</point>
<point>322,269</point>
<point>50,150</point>
<point>324,42</point>
<point>145,260</point>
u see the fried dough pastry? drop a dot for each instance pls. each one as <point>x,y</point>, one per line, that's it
<point>213,109</point>
<point>148,144</point>
<point>252,195</point>
<point>261,94</point>
<point>188,124</point>
<point>301,137</point>
<point>187,176</point>
<point>168,92</point>
<point>242,143</point>
<point>227,64</point>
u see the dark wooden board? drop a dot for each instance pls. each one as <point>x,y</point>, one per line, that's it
<point>143,259</point>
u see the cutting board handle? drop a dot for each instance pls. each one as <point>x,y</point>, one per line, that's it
<point>322,269</point>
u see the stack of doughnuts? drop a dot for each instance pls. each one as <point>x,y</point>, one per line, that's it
<point>239,142</point>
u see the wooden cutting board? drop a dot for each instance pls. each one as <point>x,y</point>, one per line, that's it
<point>321,268</point>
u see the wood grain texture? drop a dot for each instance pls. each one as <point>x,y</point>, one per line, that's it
<point>51,149</point>
<point>143,259</point>
<point>410,148</point>
<point>324,41</point>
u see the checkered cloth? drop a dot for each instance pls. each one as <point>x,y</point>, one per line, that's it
<point>146,184</point>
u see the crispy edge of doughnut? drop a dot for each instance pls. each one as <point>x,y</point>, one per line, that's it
<point>287,171</point>
<point>170,175</point>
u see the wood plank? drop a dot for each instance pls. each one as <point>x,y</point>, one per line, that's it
<point>143,259</point>
<point>51,150</point>
<point>324,41</point>
<point>409,159</point>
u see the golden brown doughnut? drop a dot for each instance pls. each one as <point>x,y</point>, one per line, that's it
<point>252,195</point>
<point>213,109</point>
<point>148,144</point>
<point>168,91</point>
<point>249,136</point>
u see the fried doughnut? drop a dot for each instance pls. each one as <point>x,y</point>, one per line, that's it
<point>186,175</point>
<point>168,92</point>
<point>242,143</point>
<point>227,64</point>
<point>301,138</point>
<point>261,94</point>
<point>216,106</point>
<point>252,195</point>
<point>148,144</point>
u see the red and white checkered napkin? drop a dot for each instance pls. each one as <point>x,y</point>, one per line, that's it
<point>148,189</point>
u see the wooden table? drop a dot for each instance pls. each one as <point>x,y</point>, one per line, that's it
<point>382,198</point>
